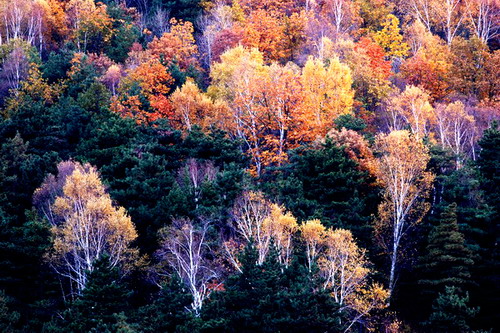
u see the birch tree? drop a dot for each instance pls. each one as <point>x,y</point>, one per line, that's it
<point>412,108</point>
<point>184,249</point>
<point>85,224</point>
<point>401,171</point>
<point>312,232</point>
<point>455,128</point>
<point>249,213</point>
<point>281,227</point>
<point>484,18</point>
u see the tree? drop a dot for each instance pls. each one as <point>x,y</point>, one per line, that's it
<point>143,93</point>
<point>370,72</point>
<point>390,38</point>
<point>430,66</point>
<point>401,171</point>
<point>271,298</point>
<point>104,296</point>
<point>177,45</point>
<point>488,166</point>
<point>281,227</point>
<point>265,105</point>
<point>455,128</point>
<point>483,16</point>
<point>184,249</point>
<point>249,213</point>
<point>328,93</point>
<point>192,107</point>
<point>92,26</point>
<point>8,318</point>
<point>168,311</point>
<point>411,108</point>
<point>451,16</point>
<point>451,312</point>
<point>324,183</point>
<point>447,260</point>
<point>341,14</point>
<point>474,71</point>
<point>85,224</point>
<point>344,269</point>
<point>313,233</point>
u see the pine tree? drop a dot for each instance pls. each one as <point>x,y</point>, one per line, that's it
<point>99,308</point>
<point>447,260</point>
<point>169,311</point>
<point>451,312</point>
<point>486,270</point>
<point>8,318</point>
<point>489,166</point>
<point>271,298</point>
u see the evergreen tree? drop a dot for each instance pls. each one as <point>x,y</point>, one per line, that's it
<point>325,183</point>
<point>104,296</point>
<point>489,167</point>
<point>447,260</point>
<point>451,313</point>
<point>8,318</point>
<point>170,310</point>
<point>486,271</point>
<point>270,298</point>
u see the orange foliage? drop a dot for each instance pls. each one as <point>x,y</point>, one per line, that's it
<point>154,81</point>
<point>178,44</point>
<point>380,67</point>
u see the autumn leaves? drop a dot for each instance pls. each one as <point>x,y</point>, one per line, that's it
<point>275,108</point>
<point>332,254</point>
<point>85,224</point>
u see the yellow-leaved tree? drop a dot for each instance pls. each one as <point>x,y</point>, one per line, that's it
<point>344,268</point>
<point>401,171</point>
<point>192,107</point>
<point>328,92</point>
<point>281,226</point>
<point>85,223</point>
<point>390,38</point>
<point>411,108</point>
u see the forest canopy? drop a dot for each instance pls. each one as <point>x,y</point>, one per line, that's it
<point>249,165</point>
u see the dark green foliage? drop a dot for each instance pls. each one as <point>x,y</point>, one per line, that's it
<point>487,295</point>
<point>125,32</point>
<point>57,65</point>
<point>95,99</point>
<point>447,260</point>
<point>103,299</point>
<point>20,173</point>
<point>451,312</point>
<point>23,272</point>
<point>270,298</point>
<point>325,183</point>
<point>170,311</point>
<point>187,10</point>
<point>489,166</point>
<point>349,122</point>
<point>8,318</point>
<point>147,178</point>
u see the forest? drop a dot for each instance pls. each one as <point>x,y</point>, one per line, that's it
<point>249,166</point>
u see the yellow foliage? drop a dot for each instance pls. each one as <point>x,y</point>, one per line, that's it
<point>391,39</point>
<point>328,92</point>
<point>91,226</point>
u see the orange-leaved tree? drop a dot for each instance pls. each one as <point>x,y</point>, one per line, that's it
<point>148,82</point>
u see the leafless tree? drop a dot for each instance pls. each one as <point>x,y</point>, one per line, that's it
<point>185,250</point>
